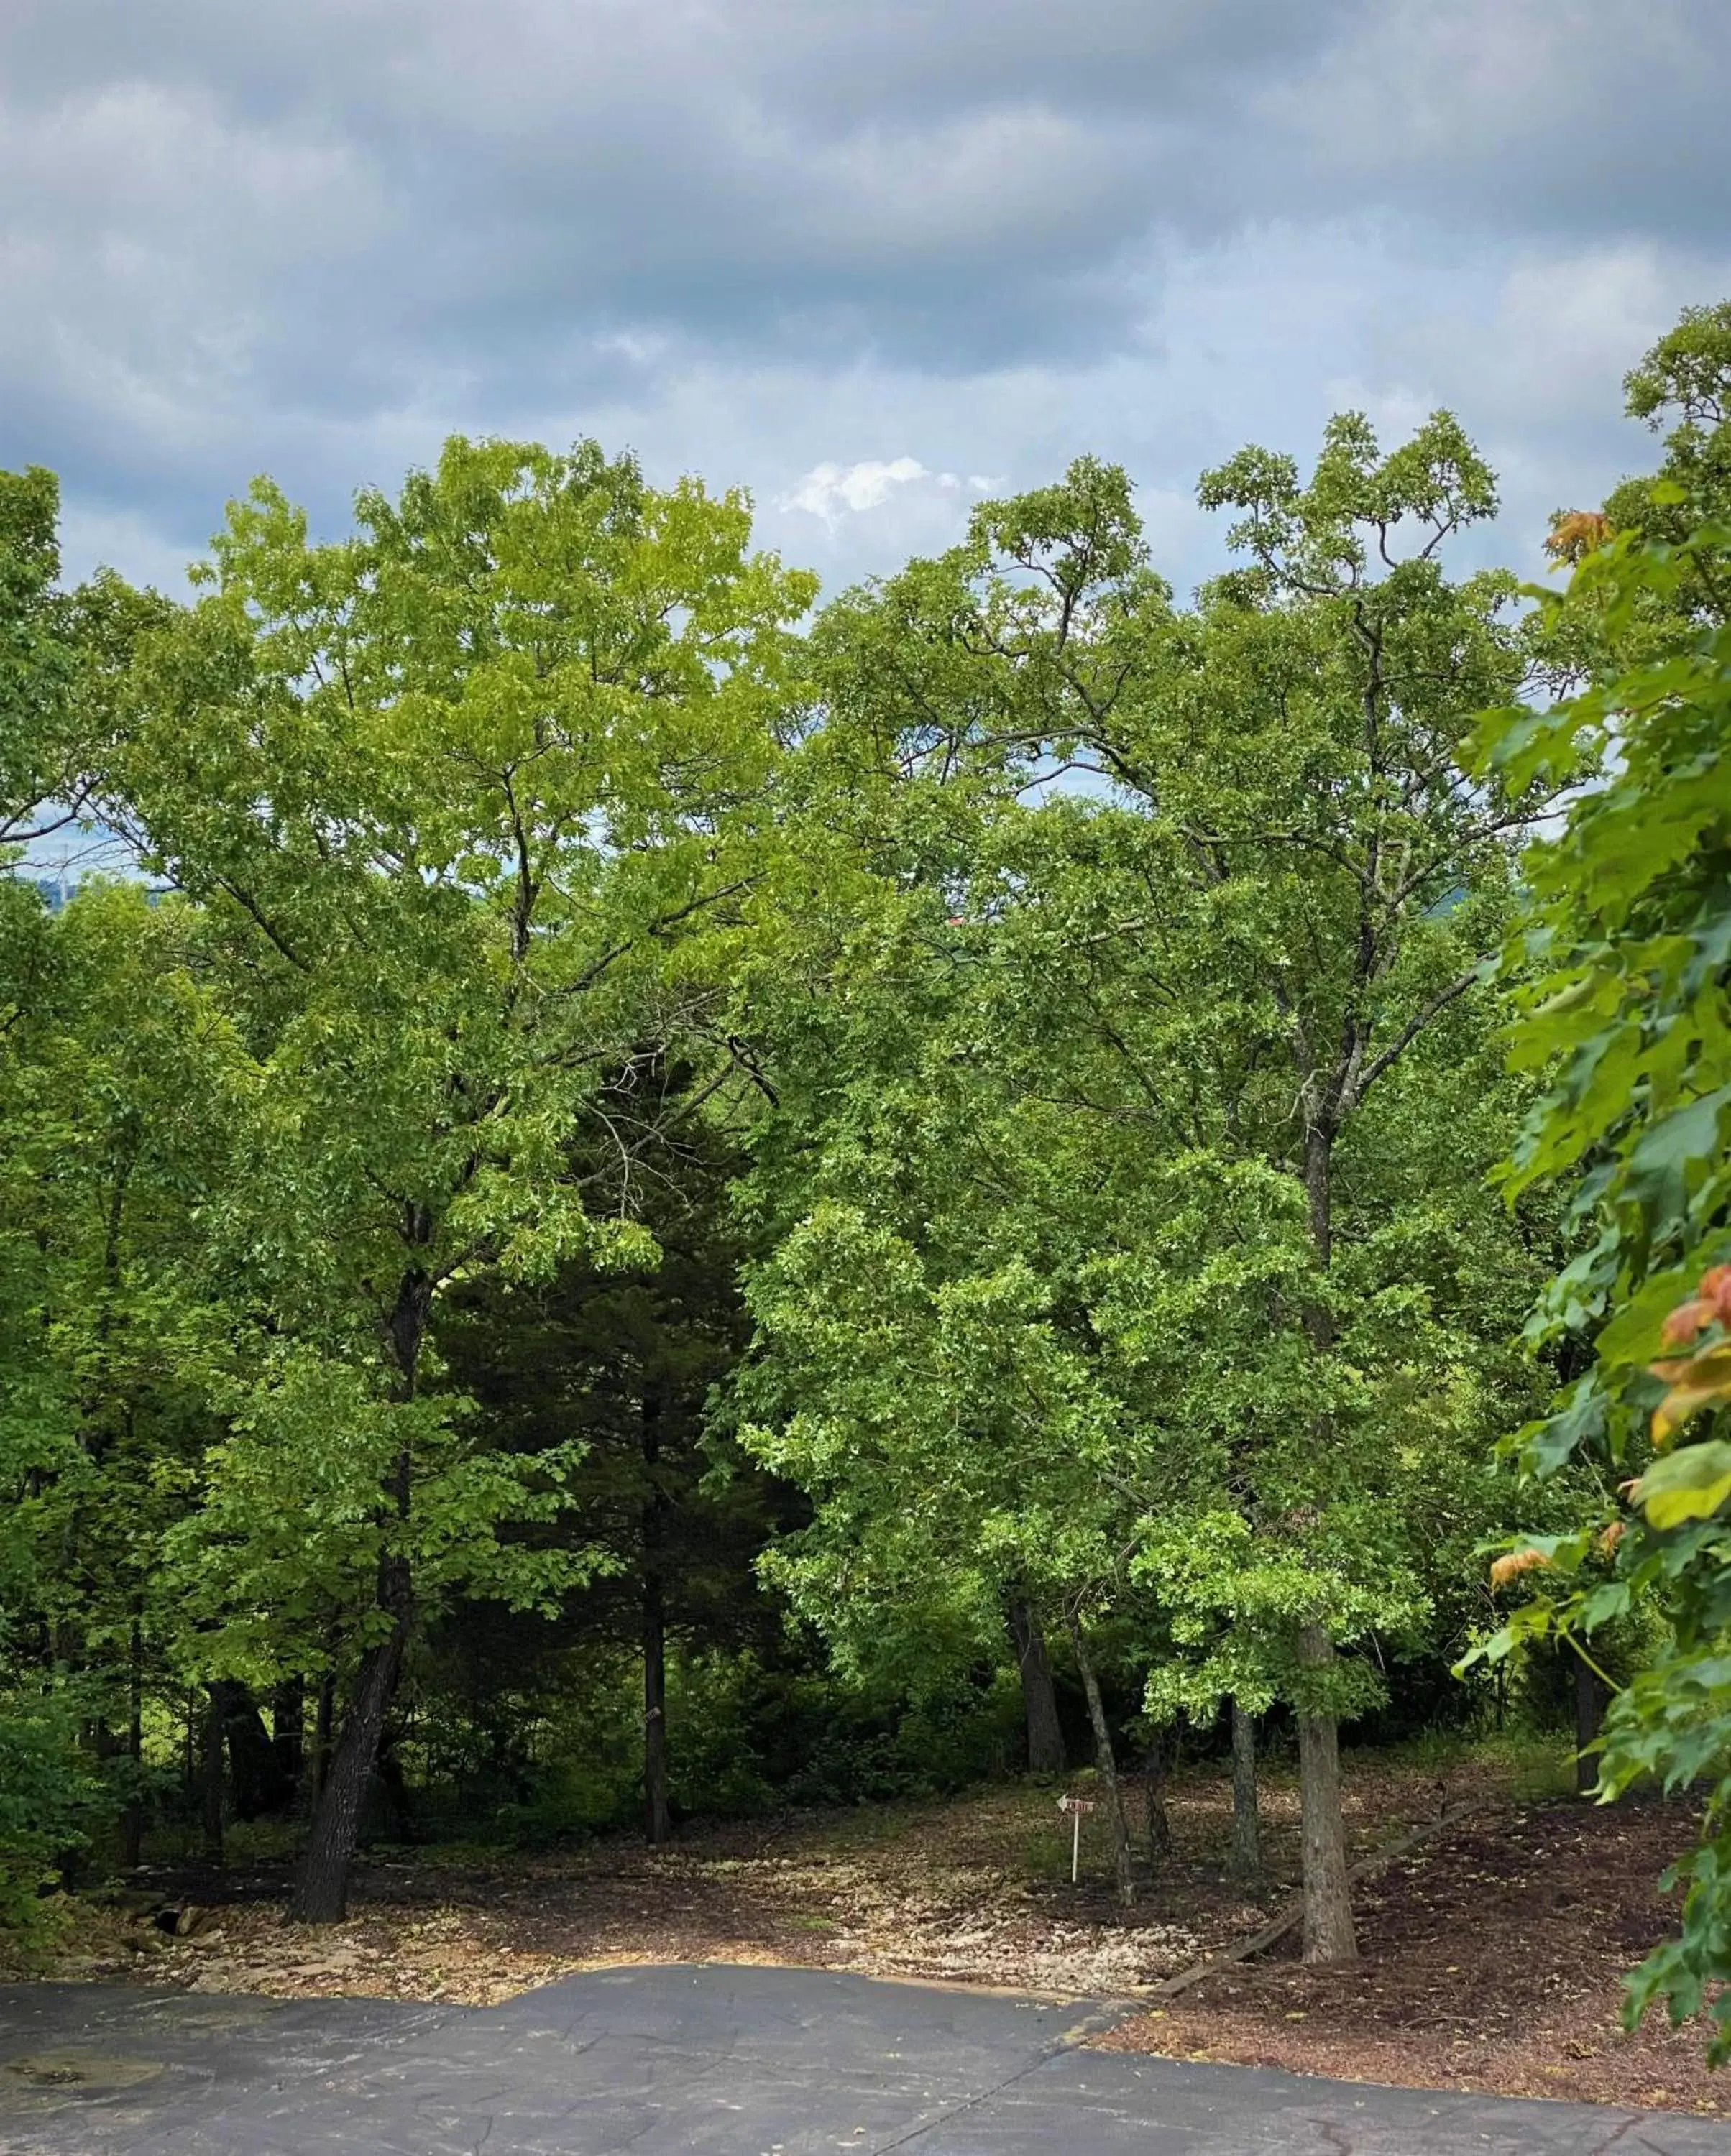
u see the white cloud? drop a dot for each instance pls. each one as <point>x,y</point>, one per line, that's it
<point>829,489</point>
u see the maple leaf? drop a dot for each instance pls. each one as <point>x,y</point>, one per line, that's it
<point>1696,1382</point>
<point>1702,1379</point>
<point>1711,1304</point>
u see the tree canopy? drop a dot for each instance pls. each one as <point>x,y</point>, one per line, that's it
<point>645,1189</point>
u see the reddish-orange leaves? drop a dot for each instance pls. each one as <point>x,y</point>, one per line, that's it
<point>1513,1563</point>
<point>1703,1379</point>
<point>1576,533</point>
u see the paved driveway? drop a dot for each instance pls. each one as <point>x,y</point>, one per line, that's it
<point>714,2060</point>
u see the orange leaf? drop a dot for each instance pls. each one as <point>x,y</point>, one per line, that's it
<point>1697,1381</point>
<point>1710,1301</point>
<point>1686,1320</point>
<point>1512,1563</point>
<point>1578,532</point>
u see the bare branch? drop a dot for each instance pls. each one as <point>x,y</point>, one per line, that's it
<point>1410,1031</point>
<point>250,906</point>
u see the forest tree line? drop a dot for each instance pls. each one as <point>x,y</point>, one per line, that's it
<point>985,1174</point>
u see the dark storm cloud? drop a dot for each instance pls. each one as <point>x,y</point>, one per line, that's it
<point>312,236</point>
<point>955,183</point>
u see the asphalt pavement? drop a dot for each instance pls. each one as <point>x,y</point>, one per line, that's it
<point>705,2061</point>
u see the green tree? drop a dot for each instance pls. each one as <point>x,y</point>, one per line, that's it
<point>59,653</point>
<point>622,1360</point>
<point>133,1085</point>
<point>455,792</point>
<point>1684,383</point>
<point>1217,1000</point>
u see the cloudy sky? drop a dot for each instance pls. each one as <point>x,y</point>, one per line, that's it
<point>868,257</point>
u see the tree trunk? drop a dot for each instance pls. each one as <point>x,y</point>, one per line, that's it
<point>1319,1195</point>
<point>324,1722</point>
<point>1246,1827</point>
<point>1108,1767</point>
<point>1589,1716</point>
<point>320,1895</point>
<point>288,1728</point>
<point>1153,1781</point>
<point>255,1776</point>
<point>1329,1934</point>
<point>211,1777</point>
<point>657,1820</point>
<point>132,1820</point>
<point>393,1788</point>
<point>1039,1696</point>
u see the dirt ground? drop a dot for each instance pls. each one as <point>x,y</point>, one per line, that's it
<point>1491,1960</point>
<point>1491,1954</point>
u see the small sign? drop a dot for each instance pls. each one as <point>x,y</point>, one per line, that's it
<point>1076,1806</point>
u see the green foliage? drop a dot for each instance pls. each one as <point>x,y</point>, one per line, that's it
<point>1625,963</point>
<point>752,1734</point>
<point>1131,1253</point>
<point>53,1805</point>
<point>1684,380</point>
<point>450,802</point>
<point>456,795</point>
<point>627,1122</point>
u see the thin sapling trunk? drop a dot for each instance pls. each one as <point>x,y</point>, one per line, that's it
<point>1246,1825</point>
<point>132,1820</point>
<point>1153,1783</point>
<point>1122,1864</point>
<point>211,1777</point>
<point>657,1820</point>
<point>1589,1716</point>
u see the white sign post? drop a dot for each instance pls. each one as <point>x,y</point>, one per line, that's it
<point>1076,1806</point>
